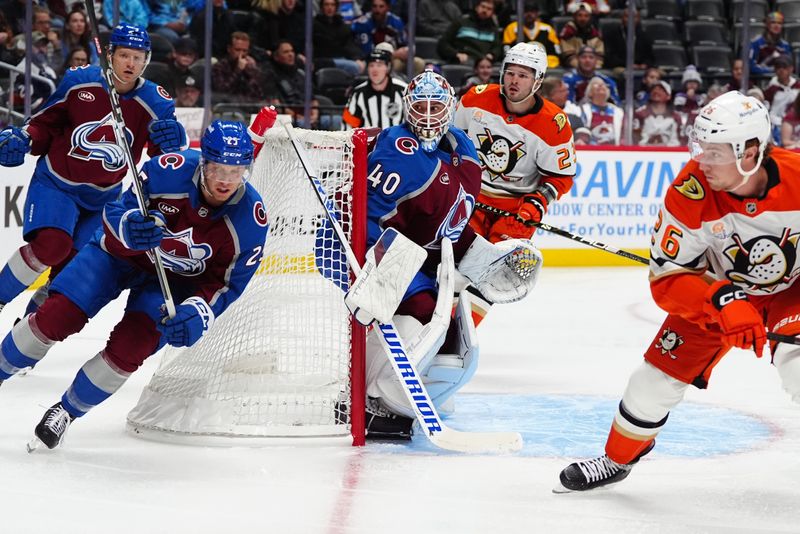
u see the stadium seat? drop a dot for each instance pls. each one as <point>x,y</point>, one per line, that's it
<point>161,48</point>
<point>249,22</point>
<point>609,25</point>
<point>334,83</point>
<point>662,9</point>
<point>713,10</point>
<point>457,74</point>
<point>559,21</point>
<point>711,59</point>
<point>755,30</point>
<point>758,10</point>
<point>790,10</point>
<point>702,32</point>
<point>661,31</point>
<point>426,47</point>
<point>669,57</point>
<point>159,73</point>
<point>791,32</point>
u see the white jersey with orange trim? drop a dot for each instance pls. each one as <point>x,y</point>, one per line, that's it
<point>516,151</point>
<point>753,242</point>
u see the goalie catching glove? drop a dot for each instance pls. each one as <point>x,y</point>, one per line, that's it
<point>193,318</point>
<point>391,265</point>
<point>741,324</point>
<point>14,144</point>
<point>503,272</point>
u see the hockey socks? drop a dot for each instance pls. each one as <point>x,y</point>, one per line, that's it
<point>629,436</point>
<point>23,347</point>
<point>96,381</point>
<point>22,270</point>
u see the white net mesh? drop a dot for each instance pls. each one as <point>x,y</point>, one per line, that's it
<point>277,362</point>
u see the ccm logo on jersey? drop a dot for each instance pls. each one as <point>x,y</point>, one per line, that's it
<point>406,145</point>
<point>171,161</point>
<point>86,96</point>
<point>166,208</point>
<point>260,214</point>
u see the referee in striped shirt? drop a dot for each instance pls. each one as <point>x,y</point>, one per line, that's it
<point>377,102</point>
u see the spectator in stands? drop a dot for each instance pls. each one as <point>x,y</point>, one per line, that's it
<point>482,74</point>
<point>556,91</point>
<point>187,92</point>
<point>689,98</point>
<point>474,36</point>
<point>39,67</point>
<point>735,83</point>
<point>77,57</point>
<point>168,18</point>
<point>765,48</point>
<point>222,24</point>
<point>77,34</point>
<point>652,76</point>
<point>435,16</point>
<point>237,75</point>
<point>756,93</point>
<point>714,90</point>
<point>580,32</point>
<point>601,117</point>
<point>377,102</point>
<point>133,12</point>
<point>288,78</point>
<point>288,23</point>
<point>781,92</point>
<point>535,30</point>
<point>656,123</point>
<point>586,69</point>
<point>43,22</point>
<point>183,55</point>
<point>790,126</point>
<point>616,45</point>
<point>382,26</point>
<point>333,40</point>
<point>598,7</point>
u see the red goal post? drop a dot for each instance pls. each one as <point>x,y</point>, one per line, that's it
<point>287,359</point>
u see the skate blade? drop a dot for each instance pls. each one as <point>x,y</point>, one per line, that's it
<point>34,444</point>
<point>560,488</point>
<point>24,371</point>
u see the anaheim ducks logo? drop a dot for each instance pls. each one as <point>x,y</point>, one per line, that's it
<point>668,342</point>
<point>481,88</point>
<point>691,188</point>
<point>561,120</point>
<point>498,155</point>
<point>764,262</point>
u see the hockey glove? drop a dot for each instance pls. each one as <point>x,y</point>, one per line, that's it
<point>510,228</point>
<point>14,144</point>
<point>741,324</point>
<point>532,208</point>
<point>140,232</point>
<point>193,318</point>
<point>168,134</point>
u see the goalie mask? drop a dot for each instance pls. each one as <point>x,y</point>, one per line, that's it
<point>530,55</point>
<point>721,131</point>
<point>227,152</point>
<point>430,102</point>
<point>129,36</point>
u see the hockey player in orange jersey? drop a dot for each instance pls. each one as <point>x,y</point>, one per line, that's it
<point>724,265</point>
<point>524,142</point>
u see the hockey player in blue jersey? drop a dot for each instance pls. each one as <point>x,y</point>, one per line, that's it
<point>209,226</point>
<point>424,176</point>
<point>81,166</point>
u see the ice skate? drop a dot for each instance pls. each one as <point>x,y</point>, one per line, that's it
<point>595,473</point>
<point>385,425</point>
<point>51,429</point>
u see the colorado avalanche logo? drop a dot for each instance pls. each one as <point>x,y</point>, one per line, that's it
<point>764,262</point>
<point>456,219</point>
<point>95,140</point>
<point>181,255</point>
<point>498,155</point>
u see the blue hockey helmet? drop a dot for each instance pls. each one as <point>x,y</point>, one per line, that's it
<point>228,143</point>
<point>129,36</point>
<point>430,104</point>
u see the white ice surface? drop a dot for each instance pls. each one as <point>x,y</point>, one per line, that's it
<point>580,333</point>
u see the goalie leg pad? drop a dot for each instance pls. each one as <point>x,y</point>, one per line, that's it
<point>445,374</point>
<point>390,267</point>
<point>787,360</point>
<point>503,272</point>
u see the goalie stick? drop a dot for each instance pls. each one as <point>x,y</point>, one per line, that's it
<point>122,139</point>
<point>781,338</point>
<point>438,433</point>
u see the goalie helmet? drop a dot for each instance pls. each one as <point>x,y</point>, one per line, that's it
<point>531,55</point>
<point>732,119</point>
<point>425,118</point>
<point>228,143</point>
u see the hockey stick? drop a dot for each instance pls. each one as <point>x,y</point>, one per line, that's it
<point>438,433</point>
<point>568,235</point>
<point>122,139</point>
<point>782,338</point>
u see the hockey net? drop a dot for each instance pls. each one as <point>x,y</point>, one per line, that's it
<point>286,359</point>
